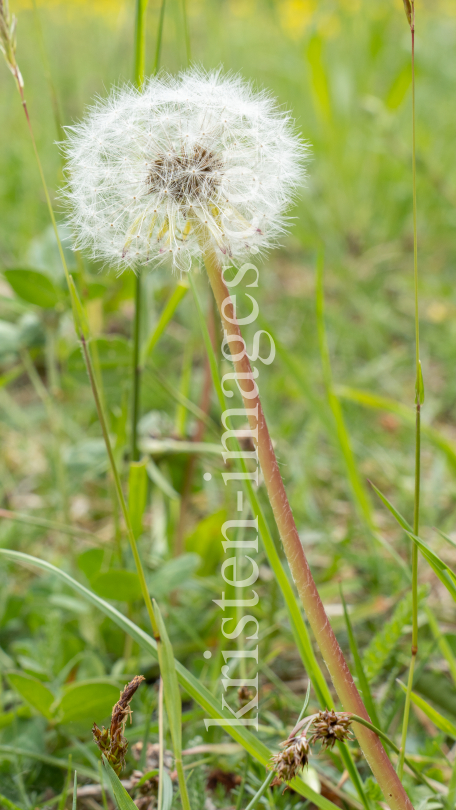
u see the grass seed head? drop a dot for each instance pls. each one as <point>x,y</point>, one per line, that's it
<point>111,742</point>
<point>330,727</point>
<point>8,40</point>
<point>293,757</point>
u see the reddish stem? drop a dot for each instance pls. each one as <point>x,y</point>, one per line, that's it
<point>313,606</point>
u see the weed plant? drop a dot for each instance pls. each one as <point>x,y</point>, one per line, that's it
<point>339,400</point>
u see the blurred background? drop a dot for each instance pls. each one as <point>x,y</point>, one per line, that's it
<point>343,69</point>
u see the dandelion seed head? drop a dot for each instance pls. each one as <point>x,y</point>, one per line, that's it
<point>188,163</point>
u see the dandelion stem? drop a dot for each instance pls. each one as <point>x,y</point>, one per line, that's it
<point>305,584</point>
<point>419,397</point>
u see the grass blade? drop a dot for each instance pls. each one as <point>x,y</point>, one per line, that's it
<point>438,719</point>
<point>170,307</point>
<point>173,701</point>
<point>363,682</point>
<point>196,690</point>
<point>122,798</point>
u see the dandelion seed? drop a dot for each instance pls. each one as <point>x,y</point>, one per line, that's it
<point>209,161</point>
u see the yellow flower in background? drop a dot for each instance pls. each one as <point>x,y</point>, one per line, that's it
<point>296,16</point>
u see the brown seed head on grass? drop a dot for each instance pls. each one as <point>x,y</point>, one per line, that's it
<point>8,40</point>
<point>293,757</point>
<point>330,727</point>
<point>112,742</point>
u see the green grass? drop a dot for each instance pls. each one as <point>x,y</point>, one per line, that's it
<point>345,74</point>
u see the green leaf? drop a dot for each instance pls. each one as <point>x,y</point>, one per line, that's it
<point>114,353</point>
<point>173,574</point>
<point>397,515</point>
<point>122,799</point>
<point>167,796</point>
<point>90,700</point>
<point>90,562</point>
<point>442,570</point>
<point>363,682</point>
<point>33,691</point>
<point>8,804</point>
<point>33,287</point>
<point>194,688</point>
<point>171,691</point>
<point>203,541</point>
<point>377,656</point>
<point>155,474</point>
<point>438,719</point>
<point>137,494</point>
<point>80,320</point>
<point>10,341</point>
<point>408,415</point>
<point>173,701</point>
<point>117,584</point>
<point>170,307</point>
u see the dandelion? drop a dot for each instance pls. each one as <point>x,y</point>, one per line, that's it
<point>189,163</point>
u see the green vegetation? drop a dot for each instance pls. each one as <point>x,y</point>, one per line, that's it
<point>95,549</point>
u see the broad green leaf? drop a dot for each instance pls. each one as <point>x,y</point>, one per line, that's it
<point>90,700</point>
<point>194,688</point>
<point>122,798</point>
<point>33,691</point>
<point>117,584</point>
<point>90,562</point>
<point>137,494</point>
<point>438,719</point>
<point>9,339</point>
<point>33,287</point>
<point>7,718</point>
<point>173,574</point>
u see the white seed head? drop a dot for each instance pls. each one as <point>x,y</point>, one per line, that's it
<point>194,162</point>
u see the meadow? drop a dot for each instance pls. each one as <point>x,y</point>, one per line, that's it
<point>337,297</point>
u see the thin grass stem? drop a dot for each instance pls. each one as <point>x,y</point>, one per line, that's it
<point>262,790</point>
<point>118,485</point>
<point>419,399</point>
